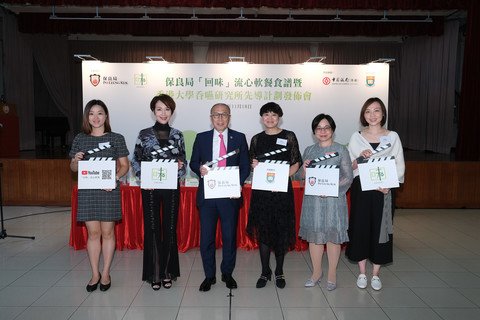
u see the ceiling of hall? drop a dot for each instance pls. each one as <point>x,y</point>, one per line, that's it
<point>248,13</point>
<point>221,21</point>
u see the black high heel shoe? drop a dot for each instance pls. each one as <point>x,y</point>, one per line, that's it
<point>262,281</point>
<point>93,287</point>
<point>156,285</point>
<point>167,283</point>
<point>280,281</point>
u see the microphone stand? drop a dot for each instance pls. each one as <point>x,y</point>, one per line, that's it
<point>3,233</point>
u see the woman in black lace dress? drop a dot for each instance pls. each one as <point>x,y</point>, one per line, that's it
<point>271,219</point>
<point>160,251</point>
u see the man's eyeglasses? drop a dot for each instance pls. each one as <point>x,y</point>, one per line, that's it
<point>220,115</point>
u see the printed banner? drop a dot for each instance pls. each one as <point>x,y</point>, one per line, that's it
<point>322,181</point>
<point>298,88</point>
<point>222,182</point>
<point>378,173</point>
<point>271,176</point>
<point>159,174</point>
<point>97,173</point>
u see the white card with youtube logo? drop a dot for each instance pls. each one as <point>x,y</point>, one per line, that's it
<point>97,173</point>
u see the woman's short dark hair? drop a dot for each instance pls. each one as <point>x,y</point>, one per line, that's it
<point>271,107</point>
<point>86,126</point>
<point>166,99</point>
<point>366,105</point>
<point>319,118</point>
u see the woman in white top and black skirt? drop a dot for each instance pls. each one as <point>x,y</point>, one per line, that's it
<point>371,217</point>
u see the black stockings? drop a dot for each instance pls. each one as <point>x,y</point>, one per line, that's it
<point>265,259</point>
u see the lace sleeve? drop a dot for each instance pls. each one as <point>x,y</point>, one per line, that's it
<point>252,152</point>
<point>295,155</point>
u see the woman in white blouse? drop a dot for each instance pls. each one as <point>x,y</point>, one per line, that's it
<point>370,226</point>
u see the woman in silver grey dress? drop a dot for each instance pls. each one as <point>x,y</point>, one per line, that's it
<point>324,220</point>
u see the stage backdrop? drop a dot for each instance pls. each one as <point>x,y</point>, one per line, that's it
<point>302,90</point>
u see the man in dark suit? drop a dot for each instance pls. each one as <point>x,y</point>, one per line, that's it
<point>208,146</point>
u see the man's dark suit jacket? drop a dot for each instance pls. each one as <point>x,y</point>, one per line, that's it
<point>202,153</point>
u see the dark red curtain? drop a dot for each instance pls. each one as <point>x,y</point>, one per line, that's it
<point>40,23</point>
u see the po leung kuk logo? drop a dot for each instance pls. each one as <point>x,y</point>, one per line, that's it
<point>95,79</point>
<point>211,183</point>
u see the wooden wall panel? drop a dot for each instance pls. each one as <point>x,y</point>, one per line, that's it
<point>36,182</point>
<point>432,184</point>
<point>440,184</point>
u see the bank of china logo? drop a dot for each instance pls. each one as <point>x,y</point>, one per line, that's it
<point>326,81</point>
<point>270,177</point>
<point>140,79</point>
<point>159,174</point>
<point>211,183</point>
<point>378,174</point>
<point>95,79</point>
<point>312,181</point>
<point>370,81</point>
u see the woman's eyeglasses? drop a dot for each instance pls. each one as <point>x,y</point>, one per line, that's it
<point>327,128</point>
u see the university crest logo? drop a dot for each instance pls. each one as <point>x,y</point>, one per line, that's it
<point>95,79</point>
<point>270,177</point>
<point>312,181</point>
<point>370,81</point>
